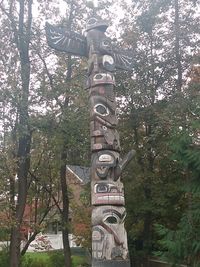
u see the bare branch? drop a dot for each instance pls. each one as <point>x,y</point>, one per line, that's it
<point>12,21</point>
<point>50,77</point>
<point>54,199</point>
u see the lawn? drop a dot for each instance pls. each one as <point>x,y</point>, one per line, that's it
<point>37,255</point>
<point>48,259</point>
<point>53,259</point>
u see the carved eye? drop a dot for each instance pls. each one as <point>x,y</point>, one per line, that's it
<point>106,43</point>
<point>101,109</point>
<point>92,21</point>
<point>111,220</point>
<point>106,158</point>
<point>98,77</point>
<point>102,188</point>
<point>104,78</point>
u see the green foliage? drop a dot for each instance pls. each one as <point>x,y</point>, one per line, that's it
<point>78,260</point>
<point>50,259</point>
<point>82,218</point>
<point>57,259</point>
<point>185,148</point>
<point>182,244</point>
<point>161,122</point>
<point>4,258</point>
<point>4,233</point>
<point>35,262</point>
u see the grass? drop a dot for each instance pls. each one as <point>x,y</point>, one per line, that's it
<point>47,259</point>
<point>78,260</point>
<point>38,255</point>
<point>53,259</point>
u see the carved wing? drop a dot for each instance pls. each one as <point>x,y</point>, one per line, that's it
<point>123,59</point>
<point>65,41</point>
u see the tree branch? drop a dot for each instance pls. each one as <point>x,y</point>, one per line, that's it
<point>12,21</point>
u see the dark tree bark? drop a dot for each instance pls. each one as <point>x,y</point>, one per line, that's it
<point>65,210</point>
<point>63,174</point>
<point>63,181</point>
<point>22,40</point>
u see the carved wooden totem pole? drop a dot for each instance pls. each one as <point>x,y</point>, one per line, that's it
<point>109,240</point>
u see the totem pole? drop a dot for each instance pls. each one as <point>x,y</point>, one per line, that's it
<point>109,240</point>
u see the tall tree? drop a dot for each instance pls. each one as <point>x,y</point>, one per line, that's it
<point>64,153</point>
<point>20,25</point>
<point>28,99</point>
<point>152,103</point>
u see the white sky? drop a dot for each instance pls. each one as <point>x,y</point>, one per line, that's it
<point>96,2</point>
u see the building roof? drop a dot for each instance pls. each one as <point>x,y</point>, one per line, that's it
<point>82,173</point>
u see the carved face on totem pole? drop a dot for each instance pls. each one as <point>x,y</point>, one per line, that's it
<point>108,233</point>
<point>109,240</point>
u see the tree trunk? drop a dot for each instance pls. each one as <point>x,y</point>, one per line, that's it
<point>65,211</point>
<point>32,238</point>
<point>15,246</point>
<point>22,39</point>
<point>64,187</point>
<point>63,174</point>
<point>23,167</point>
